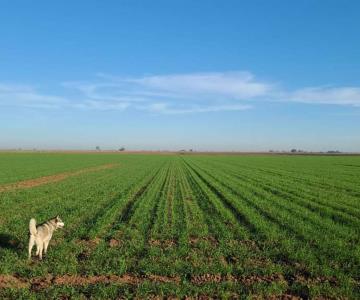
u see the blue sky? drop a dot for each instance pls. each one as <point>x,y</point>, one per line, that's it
<point>207,75</point>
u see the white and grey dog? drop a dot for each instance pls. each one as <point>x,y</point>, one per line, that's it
<point>41,234</point>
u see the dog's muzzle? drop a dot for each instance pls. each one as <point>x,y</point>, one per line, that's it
<point>60,224</point>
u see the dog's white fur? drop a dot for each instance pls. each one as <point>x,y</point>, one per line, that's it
<point>42,234</point>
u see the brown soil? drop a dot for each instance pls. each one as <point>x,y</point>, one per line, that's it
<point>90,244</point>
<point>250,244</point>
<point>38,283</point>
<point>210,239</point>
<point>278,297</point>
<point>154,242</point>
<point>81,280</point>
<point>286,297</point>
<point>30,183</point>
<point>315,280</point>
<point>246,280</point>
<point>163,279</point>
<point>10,281</point>
<point>114,243</point>
<point>252,279</point>
<point>223,261</point>
<point>162,243</point>
<point>258,262</point>
<point>206,278</point>
<point>203,297</point>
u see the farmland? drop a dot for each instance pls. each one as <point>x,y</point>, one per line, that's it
<point>143,225</point>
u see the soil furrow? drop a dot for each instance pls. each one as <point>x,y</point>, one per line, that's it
<point>27,184</point>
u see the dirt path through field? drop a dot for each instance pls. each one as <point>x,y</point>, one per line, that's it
<point>30,183</point>
<point>41,283</point>
<point>37,283</point>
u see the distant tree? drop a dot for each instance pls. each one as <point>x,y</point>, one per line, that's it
<point>293,151</point>
<point>97,148</point>
<point>122,149</point>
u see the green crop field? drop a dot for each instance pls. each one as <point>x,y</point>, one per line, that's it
<point>177,226</point>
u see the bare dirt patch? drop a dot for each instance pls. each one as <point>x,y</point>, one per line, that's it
<point>30,183</point>
<point>246,280</point>
<point>258,262</point>
<point>250,244</point>
<point>114,243</point>
<point>90,244</point>
<point>105,279</point>
<point>249,280</point>
<point>39,283</point>
<point>78,280</point>
<point>252,279</point>
<point>193,240</point>
<point>206,278</point>
<point>163,279</point>
<point>277,297</point>
<point>10,281</point>
<point>163,243</point>
<point>315,280</point>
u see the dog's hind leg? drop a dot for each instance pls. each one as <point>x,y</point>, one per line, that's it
<point>46,244</point>
<point>41,245</point>
<point>31,244</point>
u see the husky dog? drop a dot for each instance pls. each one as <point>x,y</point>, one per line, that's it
<point>41,234</point>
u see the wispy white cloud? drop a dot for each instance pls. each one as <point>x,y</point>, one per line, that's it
<point>25,96</point>
<point>236,85</point>
<point>101,105</point>
<point>327,95</point>
<point>165,108</point>
<point>174,93</point>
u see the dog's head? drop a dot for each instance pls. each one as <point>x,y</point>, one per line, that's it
<point>58,222</point>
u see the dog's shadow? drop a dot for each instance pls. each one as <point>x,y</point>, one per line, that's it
<point>8,241</point>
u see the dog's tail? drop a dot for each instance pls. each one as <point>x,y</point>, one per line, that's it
<point>32,227</point>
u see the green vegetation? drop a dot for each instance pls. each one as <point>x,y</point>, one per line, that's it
<point>184,225</point>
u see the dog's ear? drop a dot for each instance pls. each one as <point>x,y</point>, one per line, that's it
<point>57,217</point>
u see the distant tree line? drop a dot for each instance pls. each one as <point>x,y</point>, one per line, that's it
<point>97,148</point>
<point>303,151</point>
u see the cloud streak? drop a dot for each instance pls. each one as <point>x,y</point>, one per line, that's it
<point>164,108</point>
<point>327,95</point>
<point>236,85</point>
<point>174,94</point>
<point>25,96</point>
